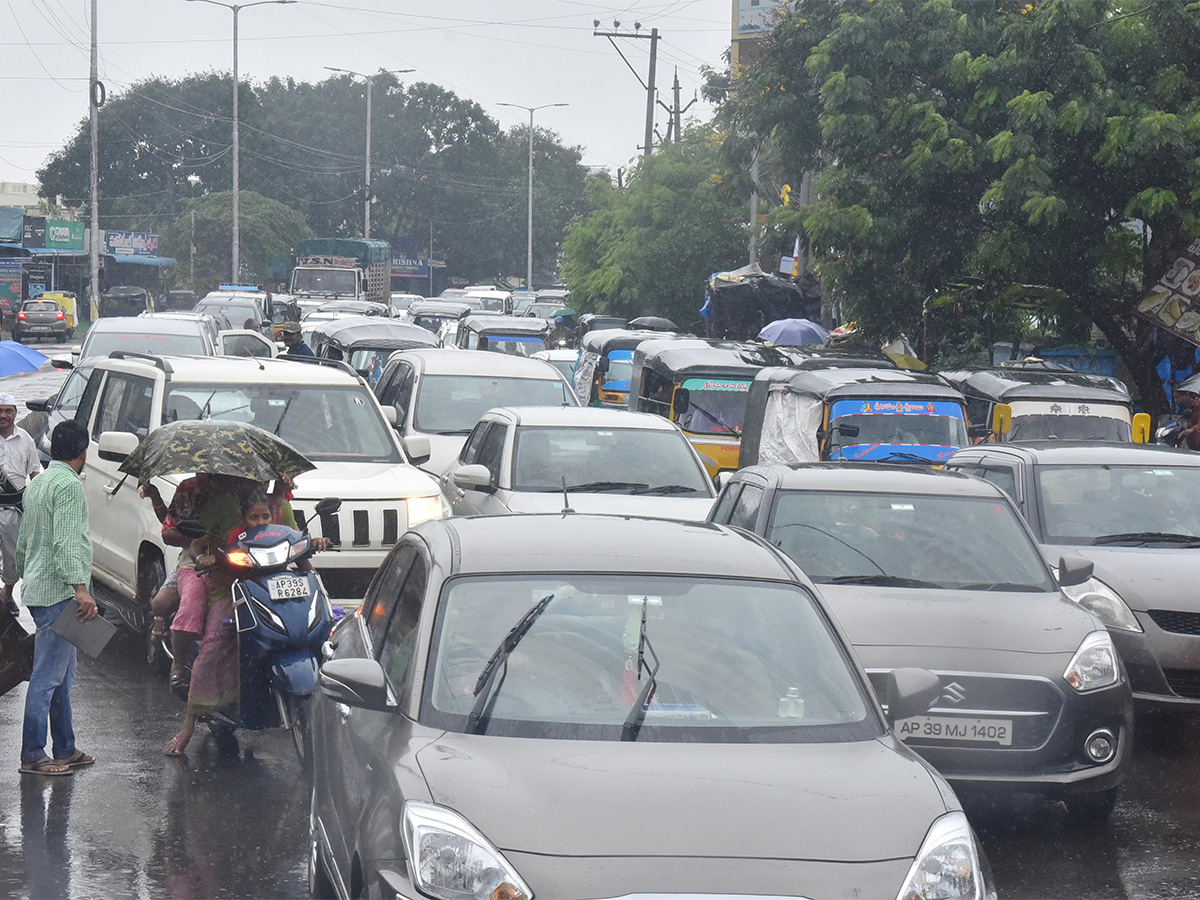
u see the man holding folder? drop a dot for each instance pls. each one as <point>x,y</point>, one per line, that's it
<point>54,557</point>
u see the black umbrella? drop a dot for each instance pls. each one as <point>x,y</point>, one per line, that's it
<point>654,323</point>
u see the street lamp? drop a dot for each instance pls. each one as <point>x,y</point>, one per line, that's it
<point>236,8</point>
<point>367,174</point>
<point>529,246</point>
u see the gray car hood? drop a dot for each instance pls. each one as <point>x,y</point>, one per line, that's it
<point>689,507</point>
<point>1145,577</point>
<point>854,801</point>
<point>984,620</point>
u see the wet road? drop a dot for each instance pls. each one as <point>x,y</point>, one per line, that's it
<point>141,825</point>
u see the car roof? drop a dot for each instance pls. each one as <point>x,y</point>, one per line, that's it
<point>155,323</point>
<point>605,339</point>
<point>1087,453</point>
<point>505,324</point>
<point>233,369</point>
<point>871,479</point>
<point>557,353</point>
<point>600,544</point>
<point>438,308</point>
<point>854,381</point>
<point>683,355</point>
<point>582,417</point>
<point>363,328</point>
<point>478,362</point>
<point>1035,384</point>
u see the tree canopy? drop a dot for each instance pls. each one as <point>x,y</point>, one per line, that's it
<point>436,159</point>
<point>649,247</point>
<point>1013,145</point>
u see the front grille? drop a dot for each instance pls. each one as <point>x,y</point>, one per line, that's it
<point>992,696</point>
<point>1184,682</point>
<point>1176,621</point>
<point>391,527</point>
<point>362,530</point>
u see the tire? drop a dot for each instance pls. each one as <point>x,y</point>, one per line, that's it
<point>299,709</point>
<point>1094,808</point>
<point>151,575</point>
<point>17,338</point>
<point>320,885</point>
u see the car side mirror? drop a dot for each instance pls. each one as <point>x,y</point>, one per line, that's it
<point>115,446</point>
<point>1073,570</point>
<point>389,413</point>
<point>683,399</point>
<point>723,478</point>
<point>417,446</point>
<point>38,405</point>
<point>978,432</point>
<point>910,692</point>
<point>1002,418</point>
<point>355,682</point>
<point>850,431</point>
<point>1142,427</point>
<point>473,478</point>
<point>65,362</point>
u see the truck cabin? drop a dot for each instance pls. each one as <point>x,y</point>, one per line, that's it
<point>811,412</point>
<point>1025,404</point>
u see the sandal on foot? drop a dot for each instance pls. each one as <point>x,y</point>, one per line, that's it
<point>78,760</point>
<point>179,683</point>
<point>175,747</point>
<point>43,767</point>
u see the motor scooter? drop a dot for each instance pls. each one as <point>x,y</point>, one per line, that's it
<point>283,617</point>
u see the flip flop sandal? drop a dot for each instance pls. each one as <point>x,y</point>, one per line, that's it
<point>41,767</point>
<point>174,748</point>
<point>78,761</point>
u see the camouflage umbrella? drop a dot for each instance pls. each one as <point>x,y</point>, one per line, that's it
<point>217,448</point>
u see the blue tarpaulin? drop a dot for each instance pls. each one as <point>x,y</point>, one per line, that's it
<point>10,223</point>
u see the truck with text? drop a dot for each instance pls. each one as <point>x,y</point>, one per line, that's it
<point>342,269</point>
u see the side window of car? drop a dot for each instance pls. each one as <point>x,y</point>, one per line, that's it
<point>139,402</point>
<point>384,590</point>
<point>473,341</point>
<point>1002,477</point>
<point>111,402</point>
<point>68,397</point>
<point>83,413</point>
<point>400,641</point>
<point>725,503</point>
<point>403,381</point>
<point>745,511</point>
<point>491,451</point>
<point>470,450</point>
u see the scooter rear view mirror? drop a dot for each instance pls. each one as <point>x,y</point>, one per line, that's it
<point>192,528</point>
<point>328,506</point>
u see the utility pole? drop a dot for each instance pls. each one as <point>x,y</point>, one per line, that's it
<point>430,260</point>
<point>675,112</point>
<point>648,84</point>
<point>529,225</point>
<point>95,98</point>
<point>754,207</point>
<point>192,254</point>
<point>367,172</point>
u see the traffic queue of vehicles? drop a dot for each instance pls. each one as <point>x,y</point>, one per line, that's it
<point>559,613</point>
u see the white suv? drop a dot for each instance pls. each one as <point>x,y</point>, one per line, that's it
<point>323,409</point>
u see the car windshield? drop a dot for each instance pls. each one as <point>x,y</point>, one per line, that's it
<point>325,423</point>
<point>370,361</point>
<point>515,344</point>
<point>102,343</point>
<point>236,313</point>
<point>737,661</point>
<point>871,428</point>
<point>1101,504</point>
<point>68,397</point>
<point>907,540</point>
<point>1052,427</point>
<point>452,404</point>
<point>324,281</point>
<point>620,460</point>
<point>619,374</point>
<point>715,405</point>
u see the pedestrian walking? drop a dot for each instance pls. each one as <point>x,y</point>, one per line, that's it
<point>294,341</point>
<point>18,463</point>
<point>54,557</point>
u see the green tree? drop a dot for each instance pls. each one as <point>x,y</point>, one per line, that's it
<point>648,248</point>
<point>1018,144</point>
<point>269,231</point>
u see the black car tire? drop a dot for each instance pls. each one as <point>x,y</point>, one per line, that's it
<point>17,337</point>
<point>1094,808</point>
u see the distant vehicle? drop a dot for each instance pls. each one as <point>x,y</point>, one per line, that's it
<point>558,295</point>
<point>432,314</point>
<point>939,570</point>
<point>503,334</point>
<point>342,269</point>
<point>670,706</point>
<point>238,305</point>
<point>563,360</point>
<point>125,300</point>
<point>366,342</point>
<point>41,318</point>
<point>167,333</point>
<point>605,365</point>
<point>439,395</point>
<point>596,322</point>
<point>400,302</point>
<point>451,294</point>
<point>543,310</point>
<point>516,460</point>
<point>492,301</point>
<point>178,301</point>
<point>521,301</point>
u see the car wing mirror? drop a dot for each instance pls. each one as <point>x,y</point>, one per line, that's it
<point>910,692</point>
<point>389,413</point>
<point>38,405</point>
<point>115,446</point>
<point>65,362</point>
<point>355,682</point>
<point>1073,570</point>
<point>473,478</point>
<point>417,446</point>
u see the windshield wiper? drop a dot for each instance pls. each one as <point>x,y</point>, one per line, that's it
<point>1148,537</point>
<point>1009,586</point>
<point>732,429</point>
<point>286,407</point>
<point>637,714</point>
<point>204,411</point>
<point>600,486</point>
<point>480,712</point>
<point>914,457</point>
<point>885,581</point>
<point>668,489</point>
<point>456,431</point>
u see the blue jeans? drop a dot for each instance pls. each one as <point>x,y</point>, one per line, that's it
<point>49,694</point>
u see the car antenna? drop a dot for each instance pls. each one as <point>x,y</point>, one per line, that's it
<point>566,500</point>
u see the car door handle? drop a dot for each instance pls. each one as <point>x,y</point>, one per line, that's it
<point>111,487</point>
<point>343,711</point>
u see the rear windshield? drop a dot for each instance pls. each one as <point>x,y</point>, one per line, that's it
<point>41,306</point>
<point>452,404</point>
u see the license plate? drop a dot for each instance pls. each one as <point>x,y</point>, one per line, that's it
<point>952,728</point>
<point>287,588</point>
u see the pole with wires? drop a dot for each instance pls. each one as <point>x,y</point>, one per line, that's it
<point>648,84</point>
<point>95,98</point>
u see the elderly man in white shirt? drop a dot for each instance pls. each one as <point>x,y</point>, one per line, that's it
<point>18,463</point>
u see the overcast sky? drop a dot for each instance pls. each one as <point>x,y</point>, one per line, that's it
<point>518,51</point>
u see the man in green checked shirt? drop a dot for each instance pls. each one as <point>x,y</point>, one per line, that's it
<point>54,559</point>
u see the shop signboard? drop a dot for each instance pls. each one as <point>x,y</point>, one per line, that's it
<point>33,231</point>
<point>130,243</point>
<point>1173,304</point>
<point>35,279</point>
<point>64,235</point>
<point>10,283</point>
<point>410,259</point>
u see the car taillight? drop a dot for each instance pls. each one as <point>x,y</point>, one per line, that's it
<point>59,316</point>
<point>21,316</point>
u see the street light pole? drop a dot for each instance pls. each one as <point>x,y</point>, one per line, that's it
<point>367,171</point>
<point>235,8</point>
<point>529,222</point>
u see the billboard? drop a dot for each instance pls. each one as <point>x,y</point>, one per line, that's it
<point>130,243</point>
<point>755,16</point>
<point>1173,304</point>
<point>64,235</point>
<point>35,279</point>
<point>33,231</point>
<point>410,259</point>
<point>10,283</point>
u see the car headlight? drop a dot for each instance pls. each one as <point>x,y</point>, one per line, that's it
<point>1094,664</point>
<point>449,859</point>
<point>949,865</point>
<point>1099,598</point>
<point>422,509</point>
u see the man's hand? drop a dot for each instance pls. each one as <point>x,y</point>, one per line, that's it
<point>87,606</point>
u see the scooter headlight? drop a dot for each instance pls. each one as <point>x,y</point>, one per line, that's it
<point>275,555</point>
